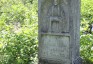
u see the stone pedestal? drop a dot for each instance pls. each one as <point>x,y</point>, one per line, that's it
<point>59,22</point>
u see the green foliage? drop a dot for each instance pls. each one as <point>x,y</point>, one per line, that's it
<point>18,32</point>
<point>87,48</point>
<point>86,14</point>
<point>20,48</point>
<point>86,38</point>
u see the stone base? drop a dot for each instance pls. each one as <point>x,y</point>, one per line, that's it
<point>44,61</point>
<point>77,61</point>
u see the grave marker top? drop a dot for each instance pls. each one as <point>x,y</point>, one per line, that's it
<point>55,2</point>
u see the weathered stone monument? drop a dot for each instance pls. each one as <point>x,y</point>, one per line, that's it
<point>59,22</point>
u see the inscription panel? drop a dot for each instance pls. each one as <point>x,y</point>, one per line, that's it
<point>55,48</point>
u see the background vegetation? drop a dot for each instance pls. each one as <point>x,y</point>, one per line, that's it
<point>86,38</point>
<point>18,31</point>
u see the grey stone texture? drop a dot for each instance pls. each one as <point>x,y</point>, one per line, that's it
<point>59,27</point>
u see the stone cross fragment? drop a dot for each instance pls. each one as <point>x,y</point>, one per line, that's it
<point>59,27</point>
<point>55,2</point>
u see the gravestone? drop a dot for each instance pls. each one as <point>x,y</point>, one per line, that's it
<point>59,27</point>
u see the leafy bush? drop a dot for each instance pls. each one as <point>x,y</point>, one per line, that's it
<point>87,48</point>
<point>86,15</point>
<point>20,48</point>
<point>18,32</point>
<point>86,38</point>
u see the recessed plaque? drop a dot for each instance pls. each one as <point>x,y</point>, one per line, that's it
<point>54,17</point>
<point>55,48</point>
